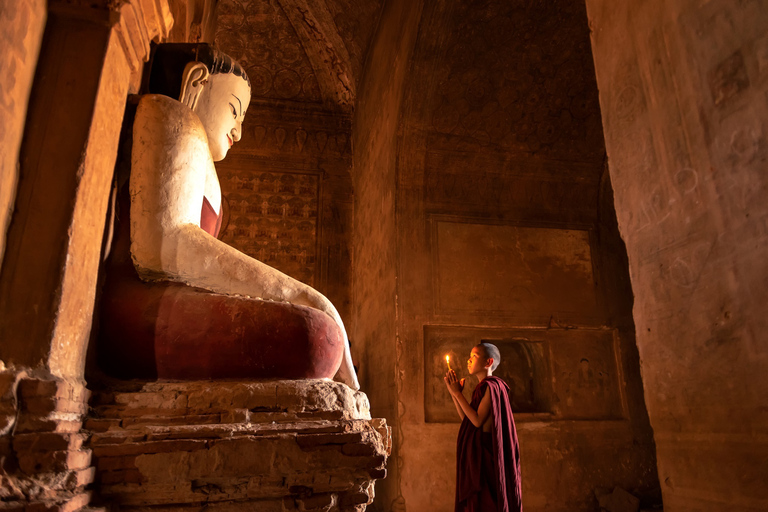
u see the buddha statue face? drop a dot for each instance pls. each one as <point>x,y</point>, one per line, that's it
<point>221,107</point>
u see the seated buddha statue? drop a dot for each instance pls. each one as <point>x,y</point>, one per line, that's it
<point>177,302</point>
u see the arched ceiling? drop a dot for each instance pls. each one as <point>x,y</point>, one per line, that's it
<point>299,51</point>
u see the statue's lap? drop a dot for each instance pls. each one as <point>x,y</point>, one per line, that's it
<point>170,330</point>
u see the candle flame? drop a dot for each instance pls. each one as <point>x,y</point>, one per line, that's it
<point>448,359</point>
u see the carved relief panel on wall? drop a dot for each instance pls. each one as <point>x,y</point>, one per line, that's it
<point>503,271</point>
<point>260,36</point>
<point>273,217</point>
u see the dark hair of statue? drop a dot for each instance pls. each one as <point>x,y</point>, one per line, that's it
<point>491,351</point>
<point>163,72</point>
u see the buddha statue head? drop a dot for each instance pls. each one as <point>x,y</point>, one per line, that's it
<point>210,83</point>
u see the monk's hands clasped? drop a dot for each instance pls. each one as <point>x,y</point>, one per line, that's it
<point>454,384</point>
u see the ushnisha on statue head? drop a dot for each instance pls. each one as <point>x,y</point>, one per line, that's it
<point>209,82</point>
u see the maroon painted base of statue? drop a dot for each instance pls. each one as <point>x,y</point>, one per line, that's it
<point>169,330</point>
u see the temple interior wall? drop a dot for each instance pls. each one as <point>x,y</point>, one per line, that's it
<point>390,191</point>
<point>683,96</point>
<point>504,227</point>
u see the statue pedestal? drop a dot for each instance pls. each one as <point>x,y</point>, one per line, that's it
<point>267,446</point>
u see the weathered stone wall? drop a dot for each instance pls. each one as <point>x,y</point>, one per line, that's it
<point>375,254</point>
<point>43,464</point>
<point>683,95</point>
<point>21,32</point>
<point>505,233</point>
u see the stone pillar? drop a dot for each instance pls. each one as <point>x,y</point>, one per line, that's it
<point>91,58</point>
<point>683,90</point>
<point>21,31</point>
<point>374,324</point>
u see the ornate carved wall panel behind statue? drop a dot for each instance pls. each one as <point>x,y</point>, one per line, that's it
<point>289,192</point>
<point>273,218</point>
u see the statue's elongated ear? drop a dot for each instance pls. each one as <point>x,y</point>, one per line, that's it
<point>192,83</point>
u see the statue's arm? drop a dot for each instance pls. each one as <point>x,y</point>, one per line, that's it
<point>169,164</point>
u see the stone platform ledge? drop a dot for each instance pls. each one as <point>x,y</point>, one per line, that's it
<point>271,445</point>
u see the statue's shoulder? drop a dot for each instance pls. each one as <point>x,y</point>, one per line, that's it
<point>165,114</point>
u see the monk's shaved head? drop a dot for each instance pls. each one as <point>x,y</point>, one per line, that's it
<point>490,351</point>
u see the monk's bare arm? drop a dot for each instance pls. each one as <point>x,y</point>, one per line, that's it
<point>458,407</point>
<point>454,385</point>
<point>483,412</point>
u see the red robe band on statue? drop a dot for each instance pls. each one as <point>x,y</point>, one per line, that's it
<point>488,463</point>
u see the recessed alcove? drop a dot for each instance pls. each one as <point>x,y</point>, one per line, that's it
<point>553,374</point>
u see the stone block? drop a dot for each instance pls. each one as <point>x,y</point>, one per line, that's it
<point>378,474</point>
<point>53,462</point>
<point>123,476</point>
<point>80,478</point>
<point>194,419</point>
<point>71,504</point>
<point>12,506</point>
<point>44,405</point>
<point>313,440</point>
<point>317,503</point>
<point>7,419</point>
<point>30,387</point>
<point>113,463</point>
<point>295,397</point>
<point>236,416</point>
<point>101,424</point>
<point>47,441</point>
<point>7,384</point>
<point>117,437</point>
<point>31,423</point>
<point>355,498</point>
<point>359,449</point>
<point>151,447</point>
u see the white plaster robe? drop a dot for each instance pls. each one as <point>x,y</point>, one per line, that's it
<point>171,171</point>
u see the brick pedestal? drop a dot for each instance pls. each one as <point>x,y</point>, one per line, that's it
<point>267,446</point>
<point>44,465</point>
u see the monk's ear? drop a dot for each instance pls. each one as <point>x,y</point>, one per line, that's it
<point>489,362</point>
<point>192,83</point>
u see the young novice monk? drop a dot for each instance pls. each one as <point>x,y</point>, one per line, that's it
<point>487,453</point>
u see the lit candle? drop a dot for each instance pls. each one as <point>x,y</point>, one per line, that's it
<point>448,362</point>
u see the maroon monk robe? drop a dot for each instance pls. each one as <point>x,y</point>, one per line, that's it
<point>488,463</point>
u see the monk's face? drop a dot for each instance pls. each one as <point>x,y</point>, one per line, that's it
<point>221,108</point>
<point>477,361</point>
